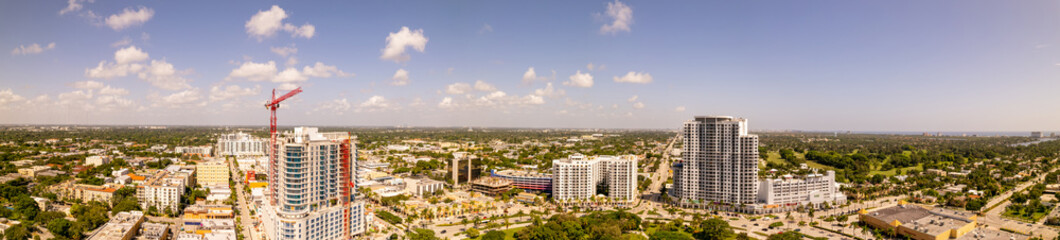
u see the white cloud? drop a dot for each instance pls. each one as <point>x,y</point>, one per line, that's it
<point>32,49</point>
<point>590,66</point>
<point>446,102</point>
<point>107,70</point>
<point>8,98</point>
<point>254,71</point>
<point>679,109</point>
<point>533,99</point>
<point>108,90</point>
<point>123,42</point>
<point>396,43</point>
<point>182,99</point>
<point>72,6</point>
<point>621,16</point>
<point>306,30</point>
<point>486,28</point>
<point>400,78</point>
<point>321,70</point>
<point>458,88</point>
<point>483,86</point>
<point>633,99</point>
<point>635,77</point>
<point>163,75</point>
<point>530,76</point>
<point>580,79</point>
<point>87,85</point>
<point>374,103</point>
<point>289,78</point>
<point>290,75</point>
<point>337,106</point>
<point>284,51</point>
<point>129,18</point>
<point>221,93</point>
<point>638,105</point>
<point>266,23</point>
<point>549,91</point>
<point>130,54</point>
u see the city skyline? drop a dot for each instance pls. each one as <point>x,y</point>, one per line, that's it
<point>819,66</point>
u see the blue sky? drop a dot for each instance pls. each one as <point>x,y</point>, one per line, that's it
<point>806,65</point>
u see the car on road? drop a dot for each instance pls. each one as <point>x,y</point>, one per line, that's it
<point>443,231</point>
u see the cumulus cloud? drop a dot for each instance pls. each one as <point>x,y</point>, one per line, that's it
<point>87,85</point>
<point>458,88</point>
<point>266,23</point>
<point>530,76</point>
<point>163,75</point>
<point>130,60</point>
<point>679,109</point>
<point>284,51</point>
<point>321,70</point>
<point>635,77</point>
<point>129,17</point>
<point>222,93</point>
<point>72,6</point>
<point>121,43</point>
<point>289,78</point>
<point>397,42</point>
<point>549,91</point>
<point>621,17</point>
<point>580,79</point>
<point>183,99</point>
<point>130,54</point>
<point>113,91</point>
<point>32,49</point>
<point>9,98</point>
<point>638,105</point>
<point>337,106</point>
<point>400,78</point>
<point>483,86</point>
<point>633,99</point>
<point>254,71</point>
<point>447,102</point>
<point>374,103</point>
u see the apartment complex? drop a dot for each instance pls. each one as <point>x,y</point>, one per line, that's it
<point>201,151</point>
<point>212,173</point>
<point>310,193</point>
<point>789,191</point>
<point>84,192</point>
<point>164,189</point>
<point>241,144</point>
<point>577,177</point>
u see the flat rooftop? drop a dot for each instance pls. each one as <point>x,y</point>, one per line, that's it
<point>903,213</point>
<point>935,224</point>
<point>519,173</point>
<point>990,234</point>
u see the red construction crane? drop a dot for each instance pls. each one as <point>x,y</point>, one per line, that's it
<point>272,105</point>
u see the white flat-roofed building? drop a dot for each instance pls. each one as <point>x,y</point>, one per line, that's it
<point>805,190</point>
<point>96,160</point>
<point>577,177</point>
<point>241,144</point>
<point>202,151</point>
<point>162,191</point>
<point>123,226</point>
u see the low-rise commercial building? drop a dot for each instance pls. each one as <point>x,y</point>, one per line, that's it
<point>788,191</point>
<point>921,223</point>
<point>153,231</point>
<point>526,180</point>
<point>123,226</point>
<point>491,185</point>
<point>31,172</point>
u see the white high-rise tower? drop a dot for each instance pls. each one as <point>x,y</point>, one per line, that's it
<point>314,188</point>
<point>719,163</point>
